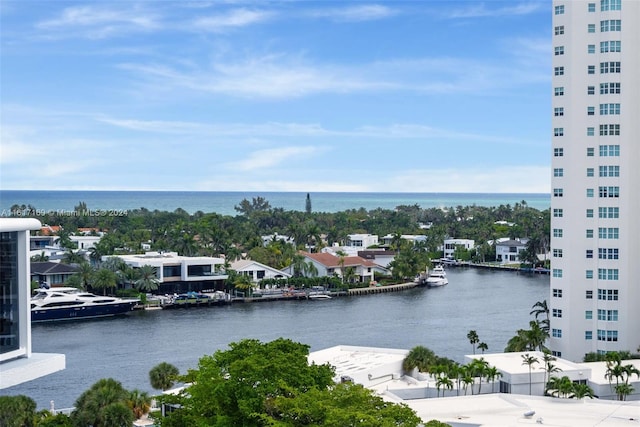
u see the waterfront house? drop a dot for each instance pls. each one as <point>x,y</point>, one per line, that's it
<point>381,257</point>
<point>178,274</point>
<point>361,270</point>
<point>277,237</point>
<point>51,273</point>
<point>18,363</point>
<point>413,238</point>
<point>361,241</point>
<point>450,246</point>
<point>508,251</point>
<point>257,271</point>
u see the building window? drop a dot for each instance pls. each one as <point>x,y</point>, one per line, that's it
<point>589,213</point>
<point>591,69</point>
<point>610,67</point>
<point>609,150</point>
<point>608,233</point>
<point>608,294</point>
<point>589,253</point>
<point>590,194</point>
<point>591,90</point>
<point>558,131</point>
<point>559,10</point>
<point>608,212</point>
<point>558,91</point>
<point>588,295</point>
<point>559,30</point>
<point>611,171</point>
<point>588,315</point>
<point>556,312</point>
<point>558,172</point>
<point>558,50</point>
<point>588,274</point>
<point>608,253</point>
<point>610,46</point>
<point>592,7</point>
<point>607,274</point>
<point>556,333</point>
<point>609,191</point>
<point>558,111</point>
<point>610,109</point>
<point>604,335</point>
<point>610,25</point>
<point>557,293</point>
<point>589,233</point>
<point>610,130</point>
<point>609,88</point>
<point>558,152</point>
<point>557,232</point>
<point>591,28</point>
<point>588,335</point>
<point>557,253</point>
<point>608,315</point>
<point>10,335</point>
<point>558,192</point>
<point>558,71</point>
<point>590,172</point>
<point>557,213</point>
<point>557,272</point>
<point>606,5</point>
<point>591,48</point>
<point>591,131</point>
<point>591,111</point>
<point>590,151</point>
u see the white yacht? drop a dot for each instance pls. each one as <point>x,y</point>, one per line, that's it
<point>437,277</point>
<point>71,303</point>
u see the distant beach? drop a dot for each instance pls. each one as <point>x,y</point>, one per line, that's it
<point>223,202</point>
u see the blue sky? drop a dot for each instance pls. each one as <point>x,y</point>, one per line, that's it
<point>419,96</point>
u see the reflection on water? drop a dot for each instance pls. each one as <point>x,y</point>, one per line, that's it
<point>495,304</point>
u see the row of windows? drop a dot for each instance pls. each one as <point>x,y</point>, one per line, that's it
<point>608,315</point>
<point>608,212</point>
<point>605,6</point>
<point>610,130</point>
<point>603,253</point>
<point>604,191</point>
<point>612,233</point>
<point>605,110</point>
<point>608,294</point>
<point>608,274</point>
<point>610,46</point>
<point>610,67</point>
<point>605,171</point>
<point>610,150</point>
<point>610,88</point>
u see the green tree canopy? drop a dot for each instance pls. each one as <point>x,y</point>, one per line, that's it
<point>163,376</point>
<point>103,405</point>
<point>255,383</point>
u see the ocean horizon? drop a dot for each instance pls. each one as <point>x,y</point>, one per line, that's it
<point>223,202</point>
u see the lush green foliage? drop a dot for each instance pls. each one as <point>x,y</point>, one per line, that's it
<point>255,383</point>
<point>17,411</point>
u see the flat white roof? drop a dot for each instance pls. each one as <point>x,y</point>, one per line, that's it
<point>598,370</point>
<point>497,410</point>
<point>512,362</point>
<point>349,360</point>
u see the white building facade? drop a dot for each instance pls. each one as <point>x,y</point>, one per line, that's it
<point>595,291</point>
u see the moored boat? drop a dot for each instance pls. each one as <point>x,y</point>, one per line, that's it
<point>71,303</point>
<point>437,277</point>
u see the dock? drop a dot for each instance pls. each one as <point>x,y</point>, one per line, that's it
<point>382,289</point>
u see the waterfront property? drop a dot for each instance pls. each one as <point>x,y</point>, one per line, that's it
<point>17,361</point>
<point>594,294</point>
<point>508,251</point>
<point>178,274</point>
<point>51,273</point>
<point>257,271</point>
<point>450,245</point>
<point>351,268</point>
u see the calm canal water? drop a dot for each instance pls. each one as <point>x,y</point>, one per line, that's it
<point>494,303</point>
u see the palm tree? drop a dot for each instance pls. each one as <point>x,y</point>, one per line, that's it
<point>478,369</point>
<point>541,308</point>
<point>40,257</point>
<point>86,273</point>
<point>443,381</point>
<point>105,279</point>
<point>581,391</point>
<point>529,360</point>
<point>147,280</point>
<point>472,336</point>
<point>483,346</point>
<point>243,282</point>
<point>163,376</point>
<point>139,402</point>
<point>310,269</point>
<point>493,374</point>
<point>550,368</point>
<point>467,378</point>
<point>418,357</point>
<point>71,257</point>
<point>623,390</point>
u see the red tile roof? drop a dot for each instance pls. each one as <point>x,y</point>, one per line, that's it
<point>333,261</point>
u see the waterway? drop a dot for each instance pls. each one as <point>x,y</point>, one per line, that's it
<point>494,303</point>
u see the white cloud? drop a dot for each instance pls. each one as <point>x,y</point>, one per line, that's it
<point>479,10</point>
<point>270,158</point>
<point>355,13</point>
<point>231,19</point>
<point>99,22</point>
